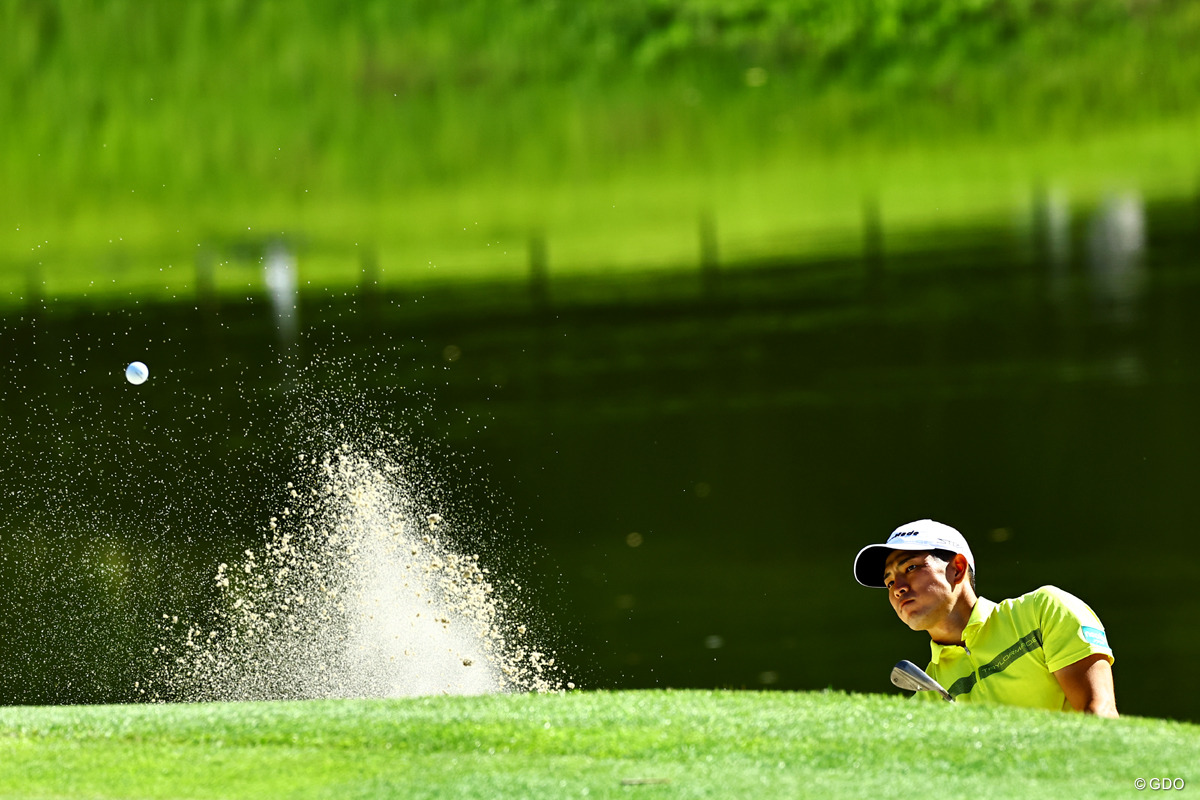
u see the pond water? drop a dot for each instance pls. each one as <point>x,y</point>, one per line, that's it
<point>676,471</point>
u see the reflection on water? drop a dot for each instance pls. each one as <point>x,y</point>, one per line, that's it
<point>681,476</point>
<point>1116,240</point>
<point>1052,235</point>
<point>1057,231</point>
<point>279,277</point>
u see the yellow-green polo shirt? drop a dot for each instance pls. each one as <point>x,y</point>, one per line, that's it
<point>1014,647</point>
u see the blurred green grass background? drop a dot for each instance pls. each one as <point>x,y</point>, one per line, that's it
<point>437,140</point>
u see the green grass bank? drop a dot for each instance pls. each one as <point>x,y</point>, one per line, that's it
<point>662,744</point>
<point>432,142</point>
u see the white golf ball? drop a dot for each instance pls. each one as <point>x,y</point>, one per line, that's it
<point>136,373</point>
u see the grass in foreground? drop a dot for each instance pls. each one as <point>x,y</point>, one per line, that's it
<point>659,744</point>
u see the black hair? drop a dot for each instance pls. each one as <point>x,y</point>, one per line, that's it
<point>948,556</point>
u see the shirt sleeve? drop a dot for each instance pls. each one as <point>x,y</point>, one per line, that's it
<point>1071,631</point>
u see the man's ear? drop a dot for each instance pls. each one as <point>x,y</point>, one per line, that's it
<point>959,564</point>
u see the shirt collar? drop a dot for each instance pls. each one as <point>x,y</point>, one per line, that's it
<point>979,614</point>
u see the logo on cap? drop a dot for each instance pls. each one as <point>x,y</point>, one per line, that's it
<point>902,534</point>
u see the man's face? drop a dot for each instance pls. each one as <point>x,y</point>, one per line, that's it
<point>918,588</point>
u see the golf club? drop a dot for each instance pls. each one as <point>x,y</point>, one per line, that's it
<point>908,675</point>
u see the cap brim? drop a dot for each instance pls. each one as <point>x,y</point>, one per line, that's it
<point>869,563</point>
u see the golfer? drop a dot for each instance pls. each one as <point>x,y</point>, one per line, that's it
<point>1045,649</point>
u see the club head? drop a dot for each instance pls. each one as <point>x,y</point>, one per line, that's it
<point>909,676</point>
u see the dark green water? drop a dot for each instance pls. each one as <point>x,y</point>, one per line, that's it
<point>681,471</point>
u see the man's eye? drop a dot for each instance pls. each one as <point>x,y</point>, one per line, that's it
<point>910,567</point>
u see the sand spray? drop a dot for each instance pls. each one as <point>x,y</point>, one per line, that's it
<point>359,589</point>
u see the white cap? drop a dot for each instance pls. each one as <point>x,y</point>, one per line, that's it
<point>924,534</point>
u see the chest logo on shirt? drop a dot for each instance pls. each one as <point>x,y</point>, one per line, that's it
<point>1026,644</point>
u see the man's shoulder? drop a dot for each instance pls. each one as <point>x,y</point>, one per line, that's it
<point>1047,599</point>
<point>1041,596</point>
